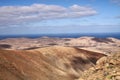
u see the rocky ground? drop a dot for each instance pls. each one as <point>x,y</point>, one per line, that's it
<point>107,68</point>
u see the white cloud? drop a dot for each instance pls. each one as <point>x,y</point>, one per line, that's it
<point>11,15</point>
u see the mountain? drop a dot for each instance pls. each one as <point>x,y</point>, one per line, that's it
<point>48,63</point>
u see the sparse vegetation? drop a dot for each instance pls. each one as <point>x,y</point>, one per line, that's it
<point>67,43</point>
<point>110,70</point>
<point>5,46</point>
<point>52,44</point>
<point>104,40</point>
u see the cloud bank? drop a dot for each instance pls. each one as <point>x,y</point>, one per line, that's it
<point>13,15</point>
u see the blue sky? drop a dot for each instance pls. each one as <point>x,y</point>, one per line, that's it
<point>59,16</point>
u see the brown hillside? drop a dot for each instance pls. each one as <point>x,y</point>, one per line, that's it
<point>50,63</point>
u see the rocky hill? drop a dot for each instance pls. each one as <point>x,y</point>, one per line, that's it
<point>49,63</point>
<point>107,68</point>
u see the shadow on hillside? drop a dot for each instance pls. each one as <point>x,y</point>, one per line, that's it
<point>5,46</point>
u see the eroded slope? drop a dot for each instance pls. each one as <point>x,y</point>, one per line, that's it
<point>50,63</point>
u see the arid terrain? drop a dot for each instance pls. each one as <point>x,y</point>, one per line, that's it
<point>107,68</point>
<point>60,58</point>
<point>102,45</point>
<point>59,39</point>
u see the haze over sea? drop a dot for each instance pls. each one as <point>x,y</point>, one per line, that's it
<point>68,35</point>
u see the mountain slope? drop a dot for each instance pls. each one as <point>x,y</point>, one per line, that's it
<point>107,68</point>
<point>50,63</point>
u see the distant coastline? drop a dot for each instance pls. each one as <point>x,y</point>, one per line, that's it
<point>69,35</point>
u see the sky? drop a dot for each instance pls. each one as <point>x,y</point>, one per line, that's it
<point>59,16</point>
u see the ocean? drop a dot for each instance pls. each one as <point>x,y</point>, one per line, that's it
<point>74,35</point>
